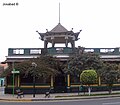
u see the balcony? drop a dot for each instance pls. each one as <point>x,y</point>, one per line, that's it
<point>60,52</point>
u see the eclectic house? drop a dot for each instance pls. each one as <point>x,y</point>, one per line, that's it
<point>58,35</point>
<point>62,83</point>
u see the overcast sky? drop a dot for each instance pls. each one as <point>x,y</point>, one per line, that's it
<point>99,20</point>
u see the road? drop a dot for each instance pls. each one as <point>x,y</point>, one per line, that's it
<point>106,101</point>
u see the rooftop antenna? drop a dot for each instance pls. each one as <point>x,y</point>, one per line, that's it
<point>59,13</point>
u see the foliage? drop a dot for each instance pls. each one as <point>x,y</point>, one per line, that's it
<point>1,70</point>
<point>7,71</point>
<point>45,66</point>
<point>88,77</point>
<point>83,61</point>
<point>110,75</point>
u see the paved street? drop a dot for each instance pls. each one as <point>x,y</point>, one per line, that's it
<point>66,99</point>
<point>107,101</point>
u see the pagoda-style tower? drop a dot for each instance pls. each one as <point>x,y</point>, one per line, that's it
<point>59,35</point>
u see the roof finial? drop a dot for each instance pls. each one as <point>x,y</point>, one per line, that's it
<point>59,12</point>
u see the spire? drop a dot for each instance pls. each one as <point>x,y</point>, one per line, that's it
<point>59,12</point>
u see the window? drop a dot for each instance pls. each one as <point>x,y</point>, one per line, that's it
<point>59,50</point>
<point>18,51</point>
<point>35,51</point>
<point>106,50</point>
<point>89,50</point>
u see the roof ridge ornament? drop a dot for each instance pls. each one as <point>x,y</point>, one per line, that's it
<point>80,30</point>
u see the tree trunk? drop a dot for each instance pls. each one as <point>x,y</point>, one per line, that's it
<point>110,89</point>
<point>89,90</point>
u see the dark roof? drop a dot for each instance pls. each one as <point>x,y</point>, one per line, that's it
<point>59,28</point>
<point>76,35</point>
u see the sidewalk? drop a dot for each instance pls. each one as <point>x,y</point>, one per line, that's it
<point>54,96</point>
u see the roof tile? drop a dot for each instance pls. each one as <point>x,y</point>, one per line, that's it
<point>59,28</point>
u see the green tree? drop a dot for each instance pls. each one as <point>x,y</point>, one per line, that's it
<point>110,75</point>
<point>83,61</point>
<point>46,66</point>
<point>88,77</point>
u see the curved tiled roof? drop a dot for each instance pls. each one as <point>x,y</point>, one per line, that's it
<point>59,28</point>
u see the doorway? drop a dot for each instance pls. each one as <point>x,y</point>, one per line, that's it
<point>60,84</point>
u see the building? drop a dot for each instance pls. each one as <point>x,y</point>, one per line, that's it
<point>58,35</point>
<point>3,66</point>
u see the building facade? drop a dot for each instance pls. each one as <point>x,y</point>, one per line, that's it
<point>58,35</point>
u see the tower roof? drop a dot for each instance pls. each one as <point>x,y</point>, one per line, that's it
<point>59,28</point>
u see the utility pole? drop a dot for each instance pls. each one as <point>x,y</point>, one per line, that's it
<point>13,79</point>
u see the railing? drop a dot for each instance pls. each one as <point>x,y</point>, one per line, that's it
<point>24,51</point>
<point>104,51</point>
<point>60,50</point>
<point>38,51</point>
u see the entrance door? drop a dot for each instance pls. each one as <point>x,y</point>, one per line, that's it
<point>60,84</point>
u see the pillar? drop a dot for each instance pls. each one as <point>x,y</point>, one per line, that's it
<point>18,80</point>
<point>68,82</point>
<point>51,84</point>
<point>66,43</point>
<point>99,81</point>
<point>53,43</point>
<point>73,44</point>
<point>45,43</point>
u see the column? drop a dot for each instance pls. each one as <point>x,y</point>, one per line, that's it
<point>18,80</point>
<point>73,42</point>
<point>99,81</point>
<point>53,43</point>
<point>51,84</point>
<point>68,82</point>
<point>66,43</point>
<point>45,43</point>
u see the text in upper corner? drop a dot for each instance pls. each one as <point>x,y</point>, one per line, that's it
<point>10,4</point>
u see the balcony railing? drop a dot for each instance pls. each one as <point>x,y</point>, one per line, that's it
<point>60,50</point>
<point>24,51</point>
<point>104,51</point>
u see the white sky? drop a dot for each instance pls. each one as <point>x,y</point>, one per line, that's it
<point>99,20</point>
